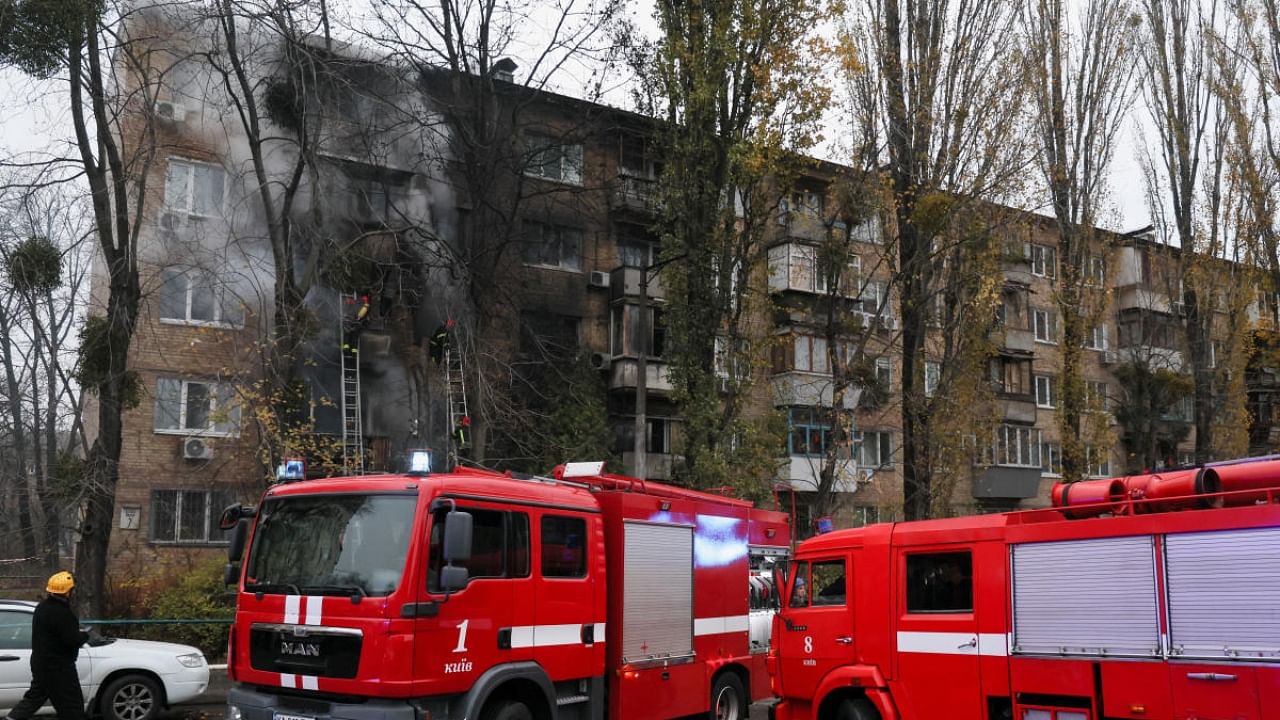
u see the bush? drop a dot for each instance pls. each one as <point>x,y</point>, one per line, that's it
<point>199,594</point>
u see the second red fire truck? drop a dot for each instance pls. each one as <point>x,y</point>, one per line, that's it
<point>472,594</point>
<point>1149,597</point>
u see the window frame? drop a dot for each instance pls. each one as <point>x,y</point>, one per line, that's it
<point>1050,335</point>
<point>908,595</point>
<point>1049,382</point>
<point>539,145</point>
<point>220,299</point>
<point>584,563</point>
<point>215,395</point>
<point>212,511</point>
<point>188,209</point>
<point>560,231</point>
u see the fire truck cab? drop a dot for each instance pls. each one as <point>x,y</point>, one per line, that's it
<point>473,594</point>
<point>1119,609</point>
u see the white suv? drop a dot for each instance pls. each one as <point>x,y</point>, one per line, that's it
<point>122,680</point>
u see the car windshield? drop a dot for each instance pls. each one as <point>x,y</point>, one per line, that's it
<point>331,544</point>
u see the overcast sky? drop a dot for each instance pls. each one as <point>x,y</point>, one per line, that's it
<point>35,121</point>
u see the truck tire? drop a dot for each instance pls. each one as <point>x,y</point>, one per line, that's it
<point>508,710</point>
<point>131,697</point>
<point>856,709</point>
<point>728,698</point>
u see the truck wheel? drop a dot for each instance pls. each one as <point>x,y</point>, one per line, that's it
<point>131,697</point>
<point>509,710</point>
<point>856,709</point>
<point>728,699</point>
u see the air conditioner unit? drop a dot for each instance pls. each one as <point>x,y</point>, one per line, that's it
<point>598,279</point>
<point>194,448</point>
<point>889,322</point>
<point>1107,357</point>
<point>600,361</point>
<point>170,111</point>
<point>169,221</point>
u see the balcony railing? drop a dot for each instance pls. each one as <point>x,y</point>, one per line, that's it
<point>623,372</point>
<point>632,193</point>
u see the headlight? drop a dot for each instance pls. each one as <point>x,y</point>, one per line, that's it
<point>233,713</point>
<point>194,660</point>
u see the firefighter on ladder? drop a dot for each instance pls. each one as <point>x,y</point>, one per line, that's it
<point>439,347</point>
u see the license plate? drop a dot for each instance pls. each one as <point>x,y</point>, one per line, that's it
<point>286,716</point>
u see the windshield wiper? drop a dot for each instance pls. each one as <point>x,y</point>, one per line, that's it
<point>272,587</point>
<point>356,592</point>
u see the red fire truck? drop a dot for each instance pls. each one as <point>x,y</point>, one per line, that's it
<point>472,594</point>
<point>1154,597</point>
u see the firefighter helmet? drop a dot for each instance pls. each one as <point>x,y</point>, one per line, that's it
<point>60,583</point>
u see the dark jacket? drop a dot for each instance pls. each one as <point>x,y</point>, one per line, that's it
<point>55,634</point>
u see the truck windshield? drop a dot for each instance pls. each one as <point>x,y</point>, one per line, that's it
<point>331,545</point>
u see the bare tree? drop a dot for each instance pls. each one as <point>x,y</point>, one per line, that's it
<point>80,46</point>
<point>941,86</point>
<point>1080,70</point>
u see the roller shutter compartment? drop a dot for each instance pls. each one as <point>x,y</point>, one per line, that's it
<point>1093,597</point>
<point>1224,594</point>
<point>657,613</point>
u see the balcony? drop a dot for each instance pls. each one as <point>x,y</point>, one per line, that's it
<point>634,195</point>
<point>1010,483</point>
<point>624,282</point>
<point>1156,358</point>
<point>1018,409</point>
<point>808,389</point>
<point>802,473</point>
<point>1019,339</point>
<point>658,466</point>
<point>623,372</point>
<point>1141,296</point>
<point>803,226</point>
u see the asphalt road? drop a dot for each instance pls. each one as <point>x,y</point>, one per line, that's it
<point>212,705</point>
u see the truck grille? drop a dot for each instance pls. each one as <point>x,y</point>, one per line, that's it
<point>305,650</point>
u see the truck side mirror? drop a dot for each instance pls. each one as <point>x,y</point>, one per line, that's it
<point>231,573</point>
<point>235,544</point>
<point>457,537</point>
<point>453,578</point>
<point>234,514</point>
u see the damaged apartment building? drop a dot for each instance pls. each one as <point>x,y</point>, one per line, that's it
<point>464,244</point>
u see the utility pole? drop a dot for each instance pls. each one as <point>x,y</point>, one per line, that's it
<point>641,446</point>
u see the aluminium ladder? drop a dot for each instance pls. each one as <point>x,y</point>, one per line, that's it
<point>352,428</point>
<point>456,394</point>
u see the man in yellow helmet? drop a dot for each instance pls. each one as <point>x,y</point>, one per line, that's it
<point>55,641</point>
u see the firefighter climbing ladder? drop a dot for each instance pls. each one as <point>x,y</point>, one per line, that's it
<point>352,433</point>
<point>456,393</point>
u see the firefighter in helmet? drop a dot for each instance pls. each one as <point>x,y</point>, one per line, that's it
<point>56,638</point>
<point>800,593</point>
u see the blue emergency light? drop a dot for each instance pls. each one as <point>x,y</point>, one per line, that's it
<point>291,469</point>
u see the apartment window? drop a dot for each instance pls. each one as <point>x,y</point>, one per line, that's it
<point>807,202</point>
<point>552,246</point>
<point>636,248</point>
<point>1011,375</point>
<point>867,231</point>
<point>809,431</point>
<point>872,448</point>
<point>1050,458</point>
<point>1096,395</point>
<point>196,297</point>
<point>188,516</point>
<point>1145,328</point>
<point>1045,391</point>
<point>804,353</point>
<point>1097,462</point>
<point>637,157</point>
<point>194,188</point>
<point>195,407</point>
<point>1096,338</point>
<point>1017,446</point>
<point>1046,326</point>
<point>1096,271</point>
<point>866,515</point>
<point>548,335</point>
<point>1044,260</point>
<point>884,372</point>
<point>872,297</point>
<point>733,357</point>
<point>932,377</point>
<point>554,160</point>
<point>564,542</point>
